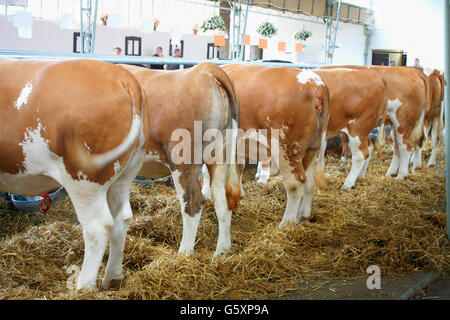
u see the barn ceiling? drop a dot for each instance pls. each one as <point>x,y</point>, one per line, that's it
<point>317,8</point>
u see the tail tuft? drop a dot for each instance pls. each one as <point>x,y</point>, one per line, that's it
<point>233,188</point>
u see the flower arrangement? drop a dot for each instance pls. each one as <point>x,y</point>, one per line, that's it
<point>104,18</point>
<point>302,35</point>
<point>213,23</point>
<point>195,28</point>
<point>155,24</point>
<point>267,29</point>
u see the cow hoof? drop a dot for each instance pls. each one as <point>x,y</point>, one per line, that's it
<point>112,285</point>
<point>305,221</point>
<point>401,177</point>
<point>262,181</point>
<point>185,252</point>
<point>347,187</point>
<point>222,252</point>
<point>429,165</point>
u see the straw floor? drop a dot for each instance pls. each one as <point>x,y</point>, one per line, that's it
<point>397,225</point>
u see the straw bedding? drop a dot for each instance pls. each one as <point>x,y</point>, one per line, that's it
<point>397,225</point>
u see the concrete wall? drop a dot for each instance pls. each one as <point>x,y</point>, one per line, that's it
<point>415,26</point>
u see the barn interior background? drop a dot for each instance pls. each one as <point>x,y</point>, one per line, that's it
<point>406,237</point>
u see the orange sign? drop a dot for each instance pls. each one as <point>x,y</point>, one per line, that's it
<point>282,46</point>
<point>262,43</point>
<point>298,47</point>
<point>219,40</point>
<point>247,40</point>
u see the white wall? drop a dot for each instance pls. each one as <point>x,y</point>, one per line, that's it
<point>181,15</point>
<point>415,26</point>
<point>48,36</point>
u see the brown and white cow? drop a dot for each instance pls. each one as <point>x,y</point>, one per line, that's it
<point>75,124</point>
<point>434,116</point>
<point>408,94</point>
<point>178,101</point>
<point>295,103</point>
<point>358,103</point>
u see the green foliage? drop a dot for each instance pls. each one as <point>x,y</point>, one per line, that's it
<point>267,29</point>
<point>213,23</point>
<point>302,35</point>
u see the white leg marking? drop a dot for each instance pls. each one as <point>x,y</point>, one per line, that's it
<point>434,142</point>
<point>264,172</point>
<point>222,212</point>
<point>190,224</point>
<point>357,161</point>
<point>206,186</point>
<point>366,163</point>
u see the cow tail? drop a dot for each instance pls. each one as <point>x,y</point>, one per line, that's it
<point>232,183</point>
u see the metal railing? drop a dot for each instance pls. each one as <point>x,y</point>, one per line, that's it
<point>18,54</point>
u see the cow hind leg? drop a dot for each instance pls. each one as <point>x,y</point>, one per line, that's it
<point>304,212</point>
<point>366,162</point>
<point>345,150</point>
<point>358,160</point>
<point>434,142</point>
<point>294,189</point>
<point>91,206</point>
<point>119,205</point>
<point>219,173</point>
<point>185,179</point>
<point>206,186</point>
<point>264,172</point>
<point>395,163</point>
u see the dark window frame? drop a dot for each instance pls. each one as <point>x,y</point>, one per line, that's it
<point>76,36</point>
<point>133,39</point>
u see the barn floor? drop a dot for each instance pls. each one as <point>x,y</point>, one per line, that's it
<point>396,225</point>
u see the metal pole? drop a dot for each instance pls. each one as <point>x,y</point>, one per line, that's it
<point>244,31</point>
<point>447,106</point>
<point>94,27</point>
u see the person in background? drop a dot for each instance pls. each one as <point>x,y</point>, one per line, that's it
<point>117,51</point>
<point>417,63</point>
<point>392,64</point>
<point>176,54</point>
<point>158,54</point>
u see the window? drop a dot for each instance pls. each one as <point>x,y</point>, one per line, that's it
<point>133,46</point>
<point>171,49</point>
<point>76,42</point>
<point>212,52</point>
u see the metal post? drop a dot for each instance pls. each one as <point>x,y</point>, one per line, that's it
<point>244,31</point>
<point>88,23</point>
<point>447,106</point>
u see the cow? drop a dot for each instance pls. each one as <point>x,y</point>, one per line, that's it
<point>408,93</point>
<point>434,116</point>
<point>358,103</point>
<point>294,104</point>
<point>177,100</point>
<point>76,124</point>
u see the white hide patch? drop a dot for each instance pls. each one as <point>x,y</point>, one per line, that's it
<point>393,106</point>
<point>307,75</point>
<point>33,145</point>
<point>23,97</point>
<point>352,121</point>
<point>428,71</point>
